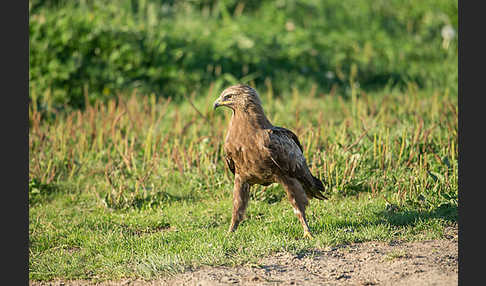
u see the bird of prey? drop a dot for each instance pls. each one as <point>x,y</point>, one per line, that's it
<point>257,152</point>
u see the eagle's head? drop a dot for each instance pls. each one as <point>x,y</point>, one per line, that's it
<point>238,97</point>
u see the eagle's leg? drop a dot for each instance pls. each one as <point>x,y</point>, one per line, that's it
<point>298,200</point>
<point>241,195</point>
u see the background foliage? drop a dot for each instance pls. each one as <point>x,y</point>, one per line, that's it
<point>89,50</point>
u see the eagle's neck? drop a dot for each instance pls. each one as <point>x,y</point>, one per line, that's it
<point>252,117</point>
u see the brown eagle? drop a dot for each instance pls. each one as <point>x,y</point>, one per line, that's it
<point>257,152</point>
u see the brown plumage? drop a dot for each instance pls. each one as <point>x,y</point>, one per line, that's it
<point>257,152</point>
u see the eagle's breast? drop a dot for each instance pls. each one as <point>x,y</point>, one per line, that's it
<point>250,156</point>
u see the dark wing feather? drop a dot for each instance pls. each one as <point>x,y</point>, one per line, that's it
<point>286,152</point>
<point>290,134</point>
<point>230,163</point>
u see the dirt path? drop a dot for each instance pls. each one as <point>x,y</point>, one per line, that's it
<point>432,262</point>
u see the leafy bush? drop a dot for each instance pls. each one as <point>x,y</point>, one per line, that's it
<point>94,49</point>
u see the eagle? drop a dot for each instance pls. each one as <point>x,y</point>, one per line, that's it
<point>258,152</point>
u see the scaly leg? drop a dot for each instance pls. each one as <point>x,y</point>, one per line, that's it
<point>241,196</point>
<point>298,200</point>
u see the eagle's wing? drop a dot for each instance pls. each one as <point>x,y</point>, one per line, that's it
<point>286,152</point>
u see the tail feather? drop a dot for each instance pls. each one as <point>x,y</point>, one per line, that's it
<point>313,187</point>
<point>316,190</point>
<point>319,187</point>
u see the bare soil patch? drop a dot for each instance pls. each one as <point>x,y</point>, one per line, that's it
<point>430,262</point>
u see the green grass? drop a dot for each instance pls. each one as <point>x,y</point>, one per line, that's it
<point>136,187</point>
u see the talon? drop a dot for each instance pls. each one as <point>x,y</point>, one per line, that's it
<point>308,235</point>
<point>232,228</point>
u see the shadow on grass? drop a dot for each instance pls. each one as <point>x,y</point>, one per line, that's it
<point>42,192</point>
<point>411,217</point>
<point>399,218</point>
<point>143,200</point>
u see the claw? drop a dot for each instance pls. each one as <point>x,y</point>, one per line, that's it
<point>308,235</point>
<point>232,228</point>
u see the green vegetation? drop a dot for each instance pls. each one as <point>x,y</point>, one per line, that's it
<point>96,49</point>
<point>126,176</point>
<point>138,187</point>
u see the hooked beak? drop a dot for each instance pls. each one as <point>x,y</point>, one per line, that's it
<point>221,102</point>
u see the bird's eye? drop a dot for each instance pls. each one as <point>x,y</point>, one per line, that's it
<point>228,96</point>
